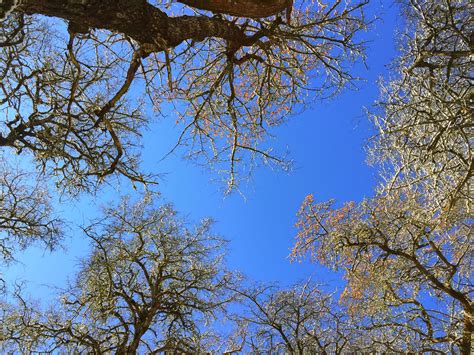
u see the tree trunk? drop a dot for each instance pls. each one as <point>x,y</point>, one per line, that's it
<point>466,342</point>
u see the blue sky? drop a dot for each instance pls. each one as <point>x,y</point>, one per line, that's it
<point>326,144</point>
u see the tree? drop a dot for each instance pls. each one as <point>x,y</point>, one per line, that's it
<point>407,252</point>
<point>25,213</point>
<point>405,268</point>
<point>65,95</point>
<point>300,319</point>
<point>425,121</point>
<point>73,98</point>
<point>149,285</point>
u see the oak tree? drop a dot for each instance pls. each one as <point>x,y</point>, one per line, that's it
<point>299,319</point>
<point>150,284</point>
<point>26,214</point>
<point>407,252</point>
<point>66,94</point>
<point>424,116</point>
<point>408,271</point>
<point>78,76</point>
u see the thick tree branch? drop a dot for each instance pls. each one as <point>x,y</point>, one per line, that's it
<point>242,8</point>
<point>138,20</point>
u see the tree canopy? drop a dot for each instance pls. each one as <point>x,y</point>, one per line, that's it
<point>81,80</point>
<point>149,285</point>
<point>231,78</point>
<point>408,251</point>
<point>77,78</point>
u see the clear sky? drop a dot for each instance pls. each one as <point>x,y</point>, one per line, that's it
<point>326,144</point>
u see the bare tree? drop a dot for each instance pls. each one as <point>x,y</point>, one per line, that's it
<point>407,252</point>
<point>425,121</point>
<point>25,212</point>
<point>300,319</point>
<point>149,285</point>
<point>73,96</point>
<point>65,94</point>
<point>406,268</point>
<point>47,101</point>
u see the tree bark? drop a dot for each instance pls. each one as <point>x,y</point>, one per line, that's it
<point>139,20</point>
<point>468,330</point>
<point>242,8</point>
